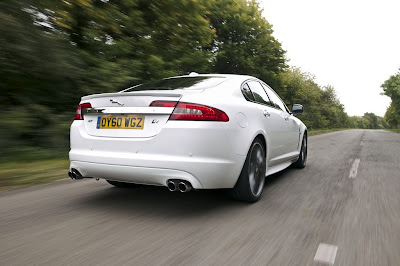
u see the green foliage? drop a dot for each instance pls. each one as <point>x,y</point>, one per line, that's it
<point>358,122</point>
<point>394,130</point>
<point>322,109</point>
<point>244,43</point>
<point>391,88</point>
<point>368,120</point>
<point>372,120</point>
<point>35,63</point>
<point>392,116</point>
<point>37,81</point>
<point>323,131</point>
<point>54,52</point>
<point>126,42</point>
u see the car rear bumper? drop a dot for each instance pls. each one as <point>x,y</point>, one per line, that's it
<point>199,153</point>
<point>139,175</point>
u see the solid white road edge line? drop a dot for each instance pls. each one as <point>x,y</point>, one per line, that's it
<point>354,168</point>
<point>326,253</point>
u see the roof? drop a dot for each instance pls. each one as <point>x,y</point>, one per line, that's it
<point>230,76</point>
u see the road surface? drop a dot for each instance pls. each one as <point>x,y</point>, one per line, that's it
<point>343,208</point>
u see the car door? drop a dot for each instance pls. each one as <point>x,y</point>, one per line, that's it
<point>292,135</point>
<point>273,124</point>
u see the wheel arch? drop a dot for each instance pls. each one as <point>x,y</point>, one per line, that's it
<point>261,137</point>
<point>264,141</point>
<point>260,134</point>
<point>303,132</point>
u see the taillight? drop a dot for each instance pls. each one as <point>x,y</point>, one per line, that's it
<point>78,113</point>
<point>164,103</point>
<point>197,112</point>
<point>192,112</point>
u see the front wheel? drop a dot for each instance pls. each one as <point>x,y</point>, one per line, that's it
<point>301,162</point>
<point>250,184</point>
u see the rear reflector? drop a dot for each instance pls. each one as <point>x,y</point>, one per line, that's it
<point>78,113</point>
<point>164,103</point>
<point>197,112</point>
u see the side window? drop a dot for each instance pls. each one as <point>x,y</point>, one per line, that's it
<point>258,92</point>
<point>276,101</point>
<point>247,92</point>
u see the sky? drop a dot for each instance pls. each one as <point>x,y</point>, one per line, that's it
<point>351,45</point>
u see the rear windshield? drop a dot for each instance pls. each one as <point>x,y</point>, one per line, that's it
<point>182,83</point>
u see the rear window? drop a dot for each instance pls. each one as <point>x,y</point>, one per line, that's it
<point>182,83</point>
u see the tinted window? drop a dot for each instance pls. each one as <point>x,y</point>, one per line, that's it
<point>247,92</point>
<point>183,83</point>
<point>276,101</point>
<point>258,92</point>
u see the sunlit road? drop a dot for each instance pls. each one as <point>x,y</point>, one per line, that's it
<point>347,197</point>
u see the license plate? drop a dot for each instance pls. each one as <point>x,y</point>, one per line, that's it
<point>120,122</point>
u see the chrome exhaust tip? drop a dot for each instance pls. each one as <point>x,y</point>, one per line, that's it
<point>172,186</point>
<point>184,186</point>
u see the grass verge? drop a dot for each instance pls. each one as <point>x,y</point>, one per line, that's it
<point>15,174</point>
<point>322,131</point>
<point>394,130</point>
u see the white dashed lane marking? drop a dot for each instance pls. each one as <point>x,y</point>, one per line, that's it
<point>354,168</point>
<point>326,253</point>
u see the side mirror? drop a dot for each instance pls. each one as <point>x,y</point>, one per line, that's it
<point>297,109</point>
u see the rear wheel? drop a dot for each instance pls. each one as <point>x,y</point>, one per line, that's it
<point>301,162</point>
<point>121,184</point>
<point>250,184</point>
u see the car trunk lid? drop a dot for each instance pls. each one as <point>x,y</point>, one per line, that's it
<point>127,115</point>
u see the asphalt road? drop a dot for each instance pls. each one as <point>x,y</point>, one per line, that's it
<point>348,197</point>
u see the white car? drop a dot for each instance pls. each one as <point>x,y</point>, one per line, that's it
<point>188,132</point>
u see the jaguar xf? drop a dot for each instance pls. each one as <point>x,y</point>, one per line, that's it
<point>198,131</point>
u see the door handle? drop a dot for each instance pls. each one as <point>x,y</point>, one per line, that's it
<point>266,113</point>
<point>287,118</point>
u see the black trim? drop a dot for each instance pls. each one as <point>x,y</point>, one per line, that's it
<point>269,105</point>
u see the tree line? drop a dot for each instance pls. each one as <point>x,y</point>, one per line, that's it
<point>54,52</point>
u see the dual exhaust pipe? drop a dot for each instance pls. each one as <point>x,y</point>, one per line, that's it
<point>179,185</point>
<point>173,185</point>
<point>74,174</point>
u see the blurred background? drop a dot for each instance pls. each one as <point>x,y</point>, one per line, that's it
<point>54,52</point>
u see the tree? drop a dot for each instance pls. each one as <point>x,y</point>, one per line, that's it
<point>372,120</point>
<point>392,117</point>
<point>37,72</point>
<point>244,43</point>
<point>391,88</point>
<point>126,42</point>
<point>322,109</point>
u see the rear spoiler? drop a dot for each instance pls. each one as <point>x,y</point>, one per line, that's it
<point>133,93</point>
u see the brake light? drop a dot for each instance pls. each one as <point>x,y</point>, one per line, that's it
<point>78,113</point>
<point>163,103</point>
<point>197,112</point>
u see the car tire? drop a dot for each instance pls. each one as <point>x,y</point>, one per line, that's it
<point>302,160</point>
<point>121,184</point>
<point>250,184</point>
